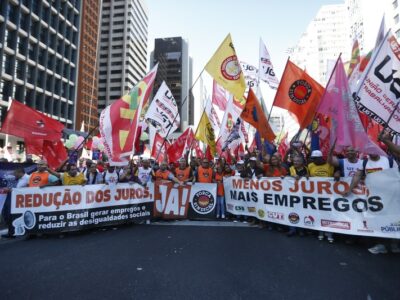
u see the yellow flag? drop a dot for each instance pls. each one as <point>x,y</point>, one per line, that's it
<point>205,133</point>
<point>224,67</point>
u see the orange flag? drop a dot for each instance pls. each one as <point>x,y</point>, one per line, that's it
<point>299,94</point>
<point>253,114</point>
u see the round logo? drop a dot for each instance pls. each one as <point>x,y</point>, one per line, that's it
<point>203,202</point>
<point>294,218</point>
<point>300,91</point>
<point>230,68</point>
<point>36,179</point>
<point>261,213</point>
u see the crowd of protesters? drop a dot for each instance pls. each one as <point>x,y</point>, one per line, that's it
<point>298,162</point>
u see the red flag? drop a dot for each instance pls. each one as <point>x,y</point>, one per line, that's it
<point>299,94</point>
<point>28,123</point>
<point>208,154</point>
<point>322,127</point>
<point>55,153</point>
<point>34,146</point>
<point>253,114</point>
<point>177,149</point>
<point>157,150</point>
<point>283,145</point>
<point>119,121</point>
<point>197,149</point>
<point>219,96</point>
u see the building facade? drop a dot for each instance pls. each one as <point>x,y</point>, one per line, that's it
<point>326,37</point>
<point>364,21</point>
<point>175,68</point>
<point>86,104</point>
<point>123,48</point>
<point>39,42</point>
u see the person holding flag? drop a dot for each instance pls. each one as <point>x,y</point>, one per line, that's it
<point>44,176</point>
<point>164,174</point>
<point>184,172</point>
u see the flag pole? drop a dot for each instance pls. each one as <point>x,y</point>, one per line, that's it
<point>270,112</point>
<point>177,114</point>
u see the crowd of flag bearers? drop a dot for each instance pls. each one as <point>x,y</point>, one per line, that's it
<point>345,142</point>
<point>298,162</point>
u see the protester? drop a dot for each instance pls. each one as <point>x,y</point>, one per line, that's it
<point>239,168</point>
<point>128,174</point>
<point>110,176</point>
<point>320,168</point>
<point>144,173</point>
<point>184,172</point>
<point>299,169</point>
<point>204,172</point>
<point>348,166</point>
<point>253,170</point>
<point>218,179</point>
<point>274,168</point>
<point>22,180</point>
<point>164,174</point>
<point>44,176</point>
<point>72,176</point>
<point>375,163</point>
<point>94,176</point>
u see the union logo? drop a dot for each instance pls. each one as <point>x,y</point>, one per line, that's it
<point>300,91</point>
<point>230,68</point>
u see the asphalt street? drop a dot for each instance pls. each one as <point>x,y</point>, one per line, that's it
<point>193,262</point>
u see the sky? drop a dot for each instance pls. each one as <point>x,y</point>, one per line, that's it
<point>205,24</point>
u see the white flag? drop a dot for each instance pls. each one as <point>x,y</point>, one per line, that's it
<point>379,90</point>
<point>266,71</point>
<point>250,76</point>
<point>162,112</point>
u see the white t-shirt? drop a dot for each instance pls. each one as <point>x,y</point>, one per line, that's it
<point>349,169</point>
<point>111,178</point>
<point>374,166</point>
<point>144,175</point>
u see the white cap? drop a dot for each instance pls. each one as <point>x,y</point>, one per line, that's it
<point>316,153</point>
<point>240,162</point>
<point>253,158</point>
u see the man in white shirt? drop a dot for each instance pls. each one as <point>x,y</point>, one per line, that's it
<point>348,166</point>
<point>145,172</point>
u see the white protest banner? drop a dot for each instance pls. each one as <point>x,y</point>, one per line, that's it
<point>317,203</point>
<point>162,111</point>
<point>379,90</point>
<point>67,208</point>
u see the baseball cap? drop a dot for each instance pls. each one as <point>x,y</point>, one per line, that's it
<point>316,153</point>
<point>240,162</point>
<point>253,158</point>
